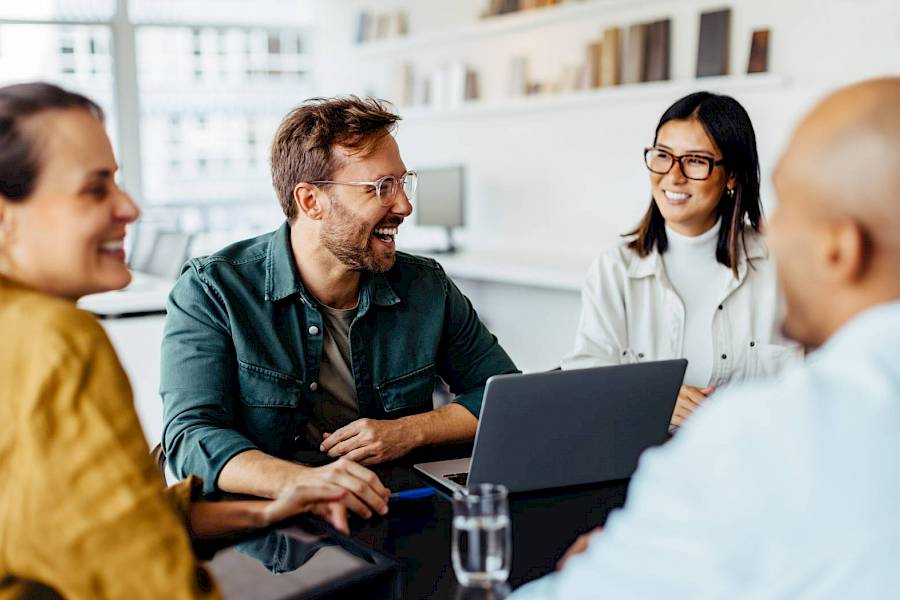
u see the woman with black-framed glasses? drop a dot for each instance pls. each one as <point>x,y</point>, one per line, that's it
<point>694,279</point>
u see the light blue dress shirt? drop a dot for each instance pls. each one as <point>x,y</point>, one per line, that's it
<point>787,489</point>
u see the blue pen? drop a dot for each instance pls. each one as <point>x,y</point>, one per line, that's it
<point>413,494</point>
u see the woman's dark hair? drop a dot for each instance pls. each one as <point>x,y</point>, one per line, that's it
<point>729,126</point>
<point>19,157</point>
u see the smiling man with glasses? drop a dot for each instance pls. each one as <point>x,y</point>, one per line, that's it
<point>320,336</point>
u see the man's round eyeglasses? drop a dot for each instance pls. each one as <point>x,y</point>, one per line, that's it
<point>385,188</point>
<point>693,166</point>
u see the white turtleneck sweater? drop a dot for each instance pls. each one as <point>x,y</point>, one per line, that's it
<point>699,280</point>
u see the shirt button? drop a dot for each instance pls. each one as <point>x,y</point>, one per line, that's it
<point>313,330</point>
<point>640,355</point>
<point>313,386</point>
<point>720,307</point>
<point>752,344</point>
<point>724,356</point>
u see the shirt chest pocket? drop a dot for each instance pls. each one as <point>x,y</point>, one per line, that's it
<point>771,359</point>
<point>410,392</point>
<point>269,401</point>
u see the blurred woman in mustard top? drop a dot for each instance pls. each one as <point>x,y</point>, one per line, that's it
<point>82,509</point>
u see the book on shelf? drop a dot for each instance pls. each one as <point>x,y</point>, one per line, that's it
<point>656,55</point>
<point>635,46</point>
<point>715,37</point>
<point>509,6</point>
<point>382,26</point>
<point>472,89</point>
<point>593,64</point>
<point>611,58</point>
<point>502,7</point>
<point>759,52</point>
<point>362,27</point>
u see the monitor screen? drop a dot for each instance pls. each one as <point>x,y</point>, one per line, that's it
<point>440,195</point>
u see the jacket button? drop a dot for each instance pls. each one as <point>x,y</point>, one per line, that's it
<point>313,330</point>
<point>752,344</point>
<point>724,356</point>
<point>640,355</point>
<point>313,386</point>
<point>721,307</point>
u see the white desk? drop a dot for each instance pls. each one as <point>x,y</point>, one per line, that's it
<point>146,294</point>
<point>530,301</point>
<point>552,271</point>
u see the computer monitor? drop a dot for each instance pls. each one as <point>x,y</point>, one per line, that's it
<point>440,200</point>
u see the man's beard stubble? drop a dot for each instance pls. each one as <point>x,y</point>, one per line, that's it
<point>350,241</point>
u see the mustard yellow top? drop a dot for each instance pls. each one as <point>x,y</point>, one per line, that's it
<point>82,507</point>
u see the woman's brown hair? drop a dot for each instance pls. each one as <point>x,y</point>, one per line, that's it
<point>19,154</point>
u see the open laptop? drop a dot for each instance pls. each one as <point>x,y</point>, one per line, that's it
<point>561,428</point>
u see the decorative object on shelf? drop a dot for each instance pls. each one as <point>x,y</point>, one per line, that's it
<point>656,55</point>
<point>635,47</point>
<point>404,85</point>
<point>381,26</point>
<point>759,52</point>
<point>715,37</point>
<point>518,76</point>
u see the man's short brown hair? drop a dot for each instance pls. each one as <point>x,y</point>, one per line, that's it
<point>304,145</point>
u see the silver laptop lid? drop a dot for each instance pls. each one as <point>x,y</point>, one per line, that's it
<point>561,428</point>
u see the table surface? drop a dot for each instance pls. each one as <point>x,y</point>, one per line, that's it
<point>146,294</point>
<point>414,541</point>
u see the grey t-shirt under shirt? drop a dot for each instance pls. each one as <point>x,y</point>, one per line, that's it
<point>335,403</point>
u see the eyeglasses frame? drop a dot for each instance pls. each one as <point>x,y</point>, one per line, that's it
<point>401,181</point>
<point>713,163</point>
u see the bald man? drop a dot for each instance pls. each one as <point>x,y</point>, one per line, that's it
<point>790,489</point>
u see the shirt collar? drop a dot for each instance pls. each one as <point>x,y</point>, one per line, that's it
<point>283,280</point>
<point>645,266</point>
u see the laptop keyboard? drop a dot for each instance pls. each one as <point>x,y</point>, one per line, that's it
<point>458,478</point>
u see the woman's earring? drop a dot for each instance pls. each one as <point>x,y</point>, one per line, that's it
<point>730,192</point>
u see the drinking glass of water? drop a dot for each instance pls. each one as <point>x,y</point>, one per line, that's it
<point>482,540</point>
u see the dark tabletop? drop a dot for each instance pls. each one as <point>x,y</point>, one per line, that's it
<point>407,553</point>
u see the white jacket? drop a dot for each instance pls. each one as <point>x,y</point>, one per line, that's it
<point>631,313</point>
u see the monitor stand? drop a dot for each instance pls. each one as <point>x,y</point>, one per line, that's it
<point>450,248</point>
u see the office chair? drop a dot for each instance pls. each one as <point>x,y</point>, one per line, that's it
<point>159,457</point>
<point>141,251</point>
<point>170,250</point>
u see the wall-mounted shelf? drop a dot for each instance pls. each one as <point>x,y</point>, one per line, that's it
<point>498,25</point>
<point>598,97</point>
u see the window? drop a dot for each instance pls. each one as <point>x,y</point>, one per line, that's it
<point>213,80</point>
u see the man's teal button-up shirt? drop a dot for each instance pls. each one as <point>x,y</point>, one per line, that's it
<point>243,345</point>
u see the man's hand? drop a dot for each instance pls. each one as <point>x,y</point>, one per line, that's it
<point>365,491</point>
<point>371,441</point>
<point>689,398</point>
<point>580,545</point>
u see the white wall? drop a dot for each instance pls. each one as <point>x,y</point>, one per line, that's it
<point>568,181</point>
<point>564,180</point>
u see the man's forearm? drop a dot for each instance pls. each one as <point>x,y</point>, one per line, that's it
<point>444,425</point>
<point>256,473</point>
